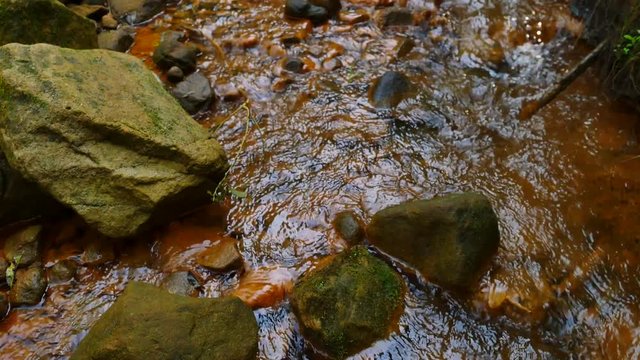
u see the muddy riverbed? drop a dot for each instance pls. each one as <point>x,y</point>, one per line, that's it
<point>304,147</point>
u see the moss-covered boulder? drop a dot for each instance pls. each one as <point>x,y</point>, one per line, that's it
<point>98,131</point>
<point>147,322</point>
<point>346,305</point>
<point>448,239</point>
<point>45,21</point>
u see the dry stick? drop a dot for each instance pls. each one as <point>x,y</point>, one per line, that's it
<point>530,107</point>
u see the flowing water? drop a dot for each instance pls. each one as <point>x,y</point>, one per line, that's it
<point>305,147</point>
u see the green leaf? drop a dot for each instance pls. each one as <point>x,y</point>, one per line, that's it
<point>11,270</point>
<point>238,193</point>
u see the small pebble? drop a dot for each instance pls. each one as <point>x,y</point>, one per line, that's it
<point>175,74</point>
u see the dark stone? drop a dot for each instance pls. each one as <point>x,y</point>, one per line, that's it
<point>22,199</point>
<point>404,47</point>
<point>318,11</point>
<point>29,286</point>
<point>45,21</point>
<point>293,64</point>
<point>389,90</point>
<point>118,40</point>
<point>171,52</point>
<point>147,322</point>
<point>349,303</point>
<point>4,264</point>
<point>175,74</point>
<point>135,12</point>
<point>25,245</point>
<point>4,305</point>
<point>63,271</point>
<point>221,256</point>
<point>194,93</point>
<point>181,283</point>
<point>394,16</point>
<point>448,239</point>
<point>93,12</point>
<point>349,227</point>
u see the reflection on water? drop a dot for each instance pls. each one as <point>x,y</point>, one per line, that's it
<point>563,183</point>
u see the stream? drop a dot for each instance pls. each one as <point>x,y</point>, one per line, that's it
<point>305,147</point>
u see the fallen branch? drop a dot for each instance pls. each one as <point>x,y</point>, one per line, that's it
<point>530,107</point>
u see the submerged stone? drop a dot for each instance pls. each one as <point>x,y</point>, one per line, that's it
<point>389,90</point>
<point>349,303</point>
<point>122,164</point>
<point>147,322</point>
<point>63,271</point>
<point>45,21</point>
<point>221,256</point>
<point>318,11</point>
<point>181,283</point>
<point>448,239</point>
<point>349,227</point>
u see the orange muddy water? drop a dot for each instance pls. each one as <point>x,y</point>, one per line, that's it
<point>565,183</point>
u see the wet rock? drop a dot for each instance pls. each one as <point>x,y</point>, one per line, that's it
<point>394,16</point>
<point>222,256</point>
<point>349,227</point>
<point>181,283</point>
<point>147,322</point>
<point>228,92</point>
<point>93,12</point>
<point>152,159</point>
<point>25,245</point>
<point>349,303</point>
<point>118,40</point>
<point>62,271</point>
<point>134,12</point>
<point>175,74</point>
<point>352,18</point>
<point>389,90</point>
<point>171,52</point>
<point>318,11</point>
<point>293,64</point>
<point>45,21</point>
<point>22,199</point>
<point>404,47</point>
<point>109,22</point>
<point>29,286</point>
<point>194,93</point>
<point>448,239</point>
<point>4,305</point>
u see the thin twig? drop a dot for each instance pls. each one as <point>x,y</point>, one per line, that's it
<point>530,107</point>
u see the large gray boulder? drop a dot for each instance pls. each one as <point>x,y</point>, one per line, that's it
<point>448,239</point>
<point>45,21</point>
<point>97,131</point>
<point>147,322</point>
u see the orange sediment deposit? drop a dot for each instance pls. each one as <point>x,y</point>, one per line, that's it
<point>265,287</point>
